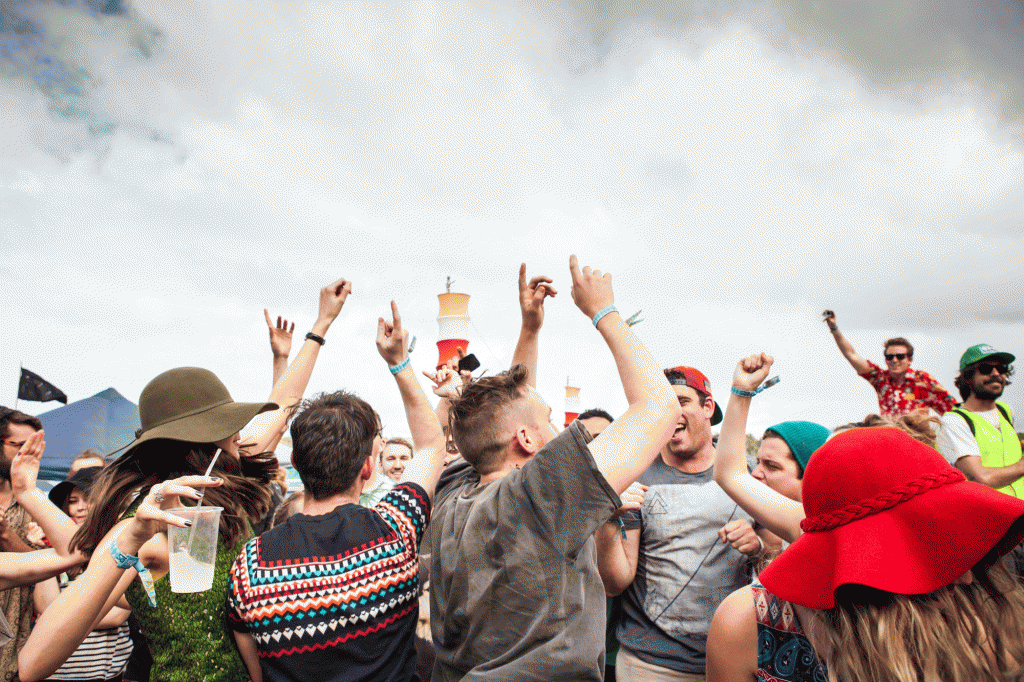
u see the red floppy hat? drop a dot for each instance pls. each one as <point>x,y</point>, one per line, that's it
<point>887,511</point>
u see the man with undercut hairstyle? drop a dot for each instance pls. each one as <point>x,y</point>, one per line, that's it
<point>901,390</point>
<point>331,595</point>
<point>516,592</point>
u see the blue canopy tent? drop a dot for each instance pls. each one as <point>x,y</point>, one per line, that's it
<point>104,422</point>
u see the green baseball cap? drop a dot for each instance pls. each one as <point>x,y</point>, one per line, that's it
<point>983,351</point>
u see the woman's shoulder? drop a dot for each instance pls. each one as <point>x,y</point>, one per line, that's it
<point>732,638</point>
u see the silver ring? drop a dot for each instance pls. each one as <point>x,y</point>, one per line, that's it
<point>159,493</point>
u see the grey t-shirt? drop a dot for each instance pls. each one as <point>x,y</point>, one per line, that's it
<point>684,570</point>
<point>515,590</point>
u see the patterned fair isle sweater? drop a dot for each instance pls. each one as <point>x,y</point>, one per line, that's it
<point>334,597</point>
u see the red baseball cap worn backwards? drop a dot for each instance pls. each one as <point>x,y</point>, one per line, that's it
<point>695,379</point>
<point>887,511</point>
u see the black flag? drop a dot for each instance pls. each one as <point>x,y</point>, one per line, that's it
<point>34,387</point>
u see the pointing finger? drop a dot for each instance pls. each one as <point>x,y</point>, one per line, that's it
<point>395,315</point>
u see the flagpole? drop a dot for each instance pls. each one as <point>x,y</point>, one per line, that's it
<point>17,391</point>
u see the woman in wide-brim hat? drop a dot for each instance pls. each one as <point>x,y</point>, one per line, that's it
<point>187,416</point>
<point>897,575</point>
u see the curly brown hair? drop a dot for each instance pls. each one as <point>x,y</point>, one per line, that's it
<point>479,418</point>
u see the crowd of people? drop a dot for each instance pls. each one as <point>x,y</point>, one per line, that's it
<point>636,547</point>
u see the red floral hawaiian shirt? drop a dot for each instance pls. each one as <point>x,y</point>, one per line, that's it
<point>918,390</point>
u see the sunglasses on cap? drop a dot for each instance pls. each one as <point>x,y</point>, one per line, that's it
<point>896,356</point>
<point>985,368</point>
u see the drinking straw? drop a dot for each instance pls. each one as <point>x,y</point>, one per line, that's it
<point>208,470</point>
<point>192,530</point>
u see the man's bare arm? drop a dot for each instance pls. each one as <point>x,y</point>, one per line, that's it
<point>616,557</point>
<point>845,347</point>
<point>993,477</point>
<point>617,548</point>
<point>531,305</point>
<point>428,441</point>
<point>627,447</point>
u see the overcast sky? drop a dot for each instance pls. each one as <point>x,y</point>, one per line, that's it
<point>169,169</point>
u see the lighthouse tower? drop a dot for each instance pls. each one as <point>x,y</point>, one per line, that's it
<point>572,402</point>
<point>452,324</point>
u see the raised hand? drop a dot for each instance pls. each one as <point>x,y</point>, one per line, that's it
<point>531,299</point>
<point>591,289</point>
<point>453,364</point>
<point>829,317</point>
<point>392,340</point>
<point>632,498</point>
<point>447,382</point>
<point>751,371</point>
<point>332,298</point>
<point>280,336</point>
<point>25,465</point>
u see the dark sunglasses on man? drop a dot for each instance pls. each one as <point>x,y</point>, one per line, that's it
<point>895,356</point>
<point>985,368</point>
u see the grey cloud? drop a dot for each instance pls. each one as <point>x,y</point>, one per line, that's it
<point>63,51</point>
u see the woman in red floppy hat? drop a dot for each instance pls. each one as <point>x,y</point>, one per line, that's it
<point>189,421</point>
<point>896,576</point>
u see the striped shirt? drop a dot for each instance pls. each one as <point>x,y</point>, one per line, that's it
<point>102,656</point>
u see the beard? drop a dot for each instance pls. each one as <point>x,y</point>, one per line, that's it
<point>986,395</point>
<point>5,468</point>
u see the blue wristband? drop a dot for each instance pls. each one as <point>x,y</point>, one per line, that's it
<point>122,560</point>
<point>602,312</point>
<point>750,394</point>
<point>400,366</point>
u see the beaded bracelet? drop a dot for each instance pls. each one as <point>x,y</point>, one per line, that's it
<point>400,366</point>
<point>602,312</point>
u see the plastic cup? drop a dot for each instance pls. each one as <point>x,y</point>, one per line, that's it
<point>193,551</point>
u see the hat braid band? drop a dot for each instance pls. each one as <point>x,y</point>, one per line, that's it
<point>887,500</point>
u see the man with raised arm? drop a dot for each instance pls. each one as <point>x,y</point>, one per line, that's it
<point>516,594</point>
<point>901,390</point>
<point>686,549</point>
<point>331,594</point>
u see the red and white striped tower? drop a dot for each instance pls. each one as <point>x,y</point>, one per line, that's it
<point>452,324</point>
<point>572,402</point>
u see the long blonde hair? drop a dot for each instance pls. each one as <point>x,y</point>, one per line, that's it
<point>964,632</point>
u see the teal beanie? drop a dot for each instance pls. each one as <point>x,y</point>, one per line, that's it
<point>803,438</point>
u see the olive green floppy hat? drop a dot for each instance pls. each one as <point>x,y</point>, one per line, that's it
<point>190,404</point>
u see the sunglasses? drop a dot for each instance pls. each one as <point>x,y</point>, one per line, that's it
<point>986,368</point>
<point>896,356</point>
